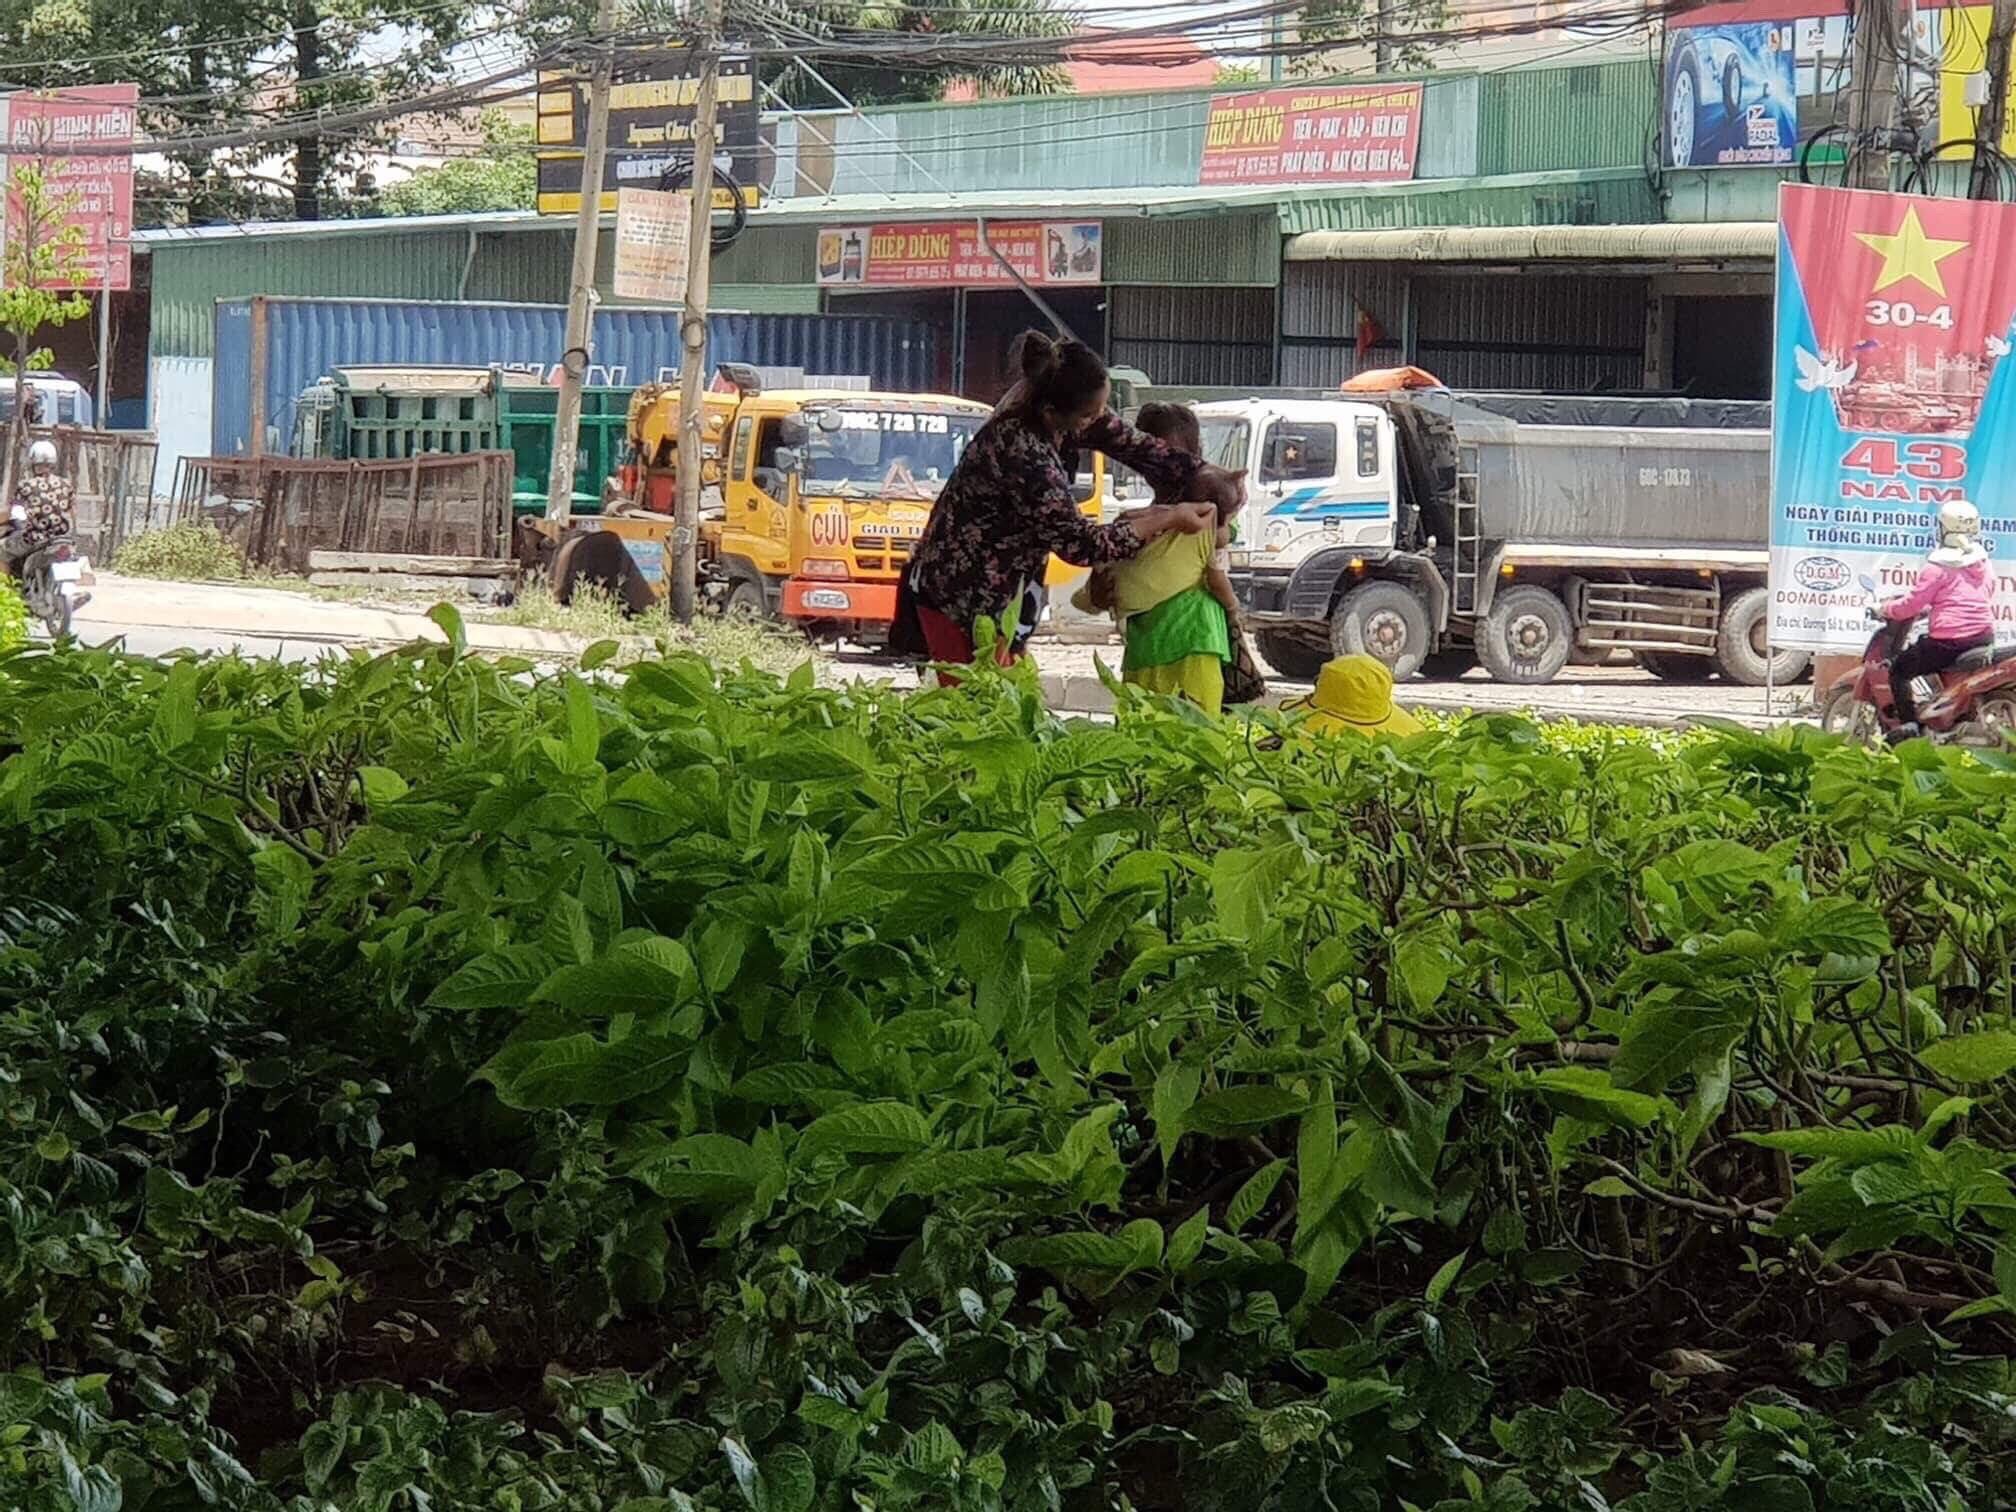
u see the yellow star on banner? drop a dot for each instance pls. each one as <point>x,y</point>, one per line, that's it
<point>1909,253</point>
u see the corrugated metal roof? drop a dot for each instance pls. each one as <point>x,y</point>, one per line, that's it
<point>1588,197</point>
<point>1525,244</point>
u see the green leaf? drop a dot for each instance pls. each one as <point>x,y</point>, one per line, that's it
<point>1838,926</point>
<point>1252,1197</point>
<point>1609,1186</point>
<point>636,977</point>
<point>879,1128</point>
<point>175,712</point>
<point>584,726</point>
<point>381,786</point>
<point>1187,1243</point>
<point>1970,1059</point>
<point>1244,883</point>
<point>789,1483</point>
<point>1169,1105</point>
<point>1840,1144</point>
<point>600,654</point>
<point>322,1449</point>
<point>578,1070</point>
<point>1422,960</point>
<point>1443,1279</point>
<point>1237,1110</point>
<point>1592,1095</point>
<point>506,978</point>
<point>1662,1042</point>
<point>449,619</point>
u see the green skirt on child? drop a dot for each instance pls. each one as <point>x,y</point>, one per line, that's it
<point>1181,647</point>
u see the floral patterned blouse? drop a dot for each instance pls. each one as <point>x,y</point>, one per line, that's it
<point>1008,505</point>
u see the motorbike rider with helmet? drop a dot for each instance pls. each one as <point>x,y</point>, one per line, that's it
<point>1956,589</point>
<point>46,500</point>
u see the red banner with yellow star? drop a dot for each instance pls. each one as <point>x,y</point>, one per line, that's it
<point>1891,397</point>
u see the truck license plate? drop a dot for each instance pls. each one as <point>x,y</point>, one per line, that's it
<point>827,598</point>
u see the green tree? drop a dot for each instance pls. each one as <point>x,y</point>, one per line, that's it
<point>40,270</point>
<point>504,176</point>
<point>210,66</point>
<point>1380,26</point>
<point>1238,73</point>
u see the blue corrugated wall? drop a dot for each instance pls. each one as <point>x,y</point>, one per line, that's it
<point>305,338</point>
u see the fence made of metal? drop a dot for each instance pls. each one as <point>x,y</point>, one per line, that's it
<point>113,475</point>
<point>279,509</point>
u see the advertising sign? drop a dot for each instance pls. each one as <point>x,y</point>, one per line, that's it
<point>1750,81</point>
<point>1891,396</point>
<point>654,231</point>
<point>949,255</point>
<point>1354,134</point>
<point>650,129</point>
<point>96,190</point>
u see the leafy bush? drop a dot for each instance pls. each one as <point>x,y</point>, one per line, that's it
<point>14,622</point>
<point>195,552</point>
<point>433,1085</point>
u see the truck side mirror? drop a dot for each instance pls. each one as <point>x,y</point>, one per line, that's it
<point>787,459</point>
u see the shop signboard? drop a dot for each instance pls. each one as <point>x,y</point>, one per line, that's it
<point>951,255</point>
<point>654,232</point>
<point>650,130</point>
<point>1750,82</point>
<point>93,190</point>
<point>1892,395</point>
<point>1335,134</point>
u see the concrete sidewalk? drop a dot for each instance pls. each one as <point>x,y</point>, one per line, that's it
<point>236,610</point>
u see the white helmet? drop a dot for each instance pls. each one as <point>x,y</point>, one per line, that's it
<point>1959,523</point>
<point>42,454</point>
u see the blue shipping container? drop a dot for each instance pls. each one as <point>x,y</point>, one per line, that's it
<point>302,339</point>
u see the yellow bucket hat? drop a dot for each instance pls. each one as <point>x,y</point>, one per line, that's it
<point>1354,694</point>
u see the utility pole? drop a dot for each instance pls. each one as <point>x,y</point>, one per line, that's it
<point>693,328</point>
<point>1872,100</point>
<point>1995,113</point>
<point>581,288</point>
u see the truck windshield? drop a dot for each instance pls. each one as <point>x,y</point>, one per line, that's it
<point>1226,442</point>
<point>886,454</point>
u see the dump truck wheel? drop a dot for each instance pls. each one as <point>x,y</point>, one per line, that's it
<point>1293,656</point>
<point>1527,636</point>
<point>746,600</point>
<point>1385,621</point>
<point>1739,644</point>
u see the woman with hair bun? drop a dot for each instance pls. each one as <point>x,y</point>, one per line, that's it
<point>1009,505</point>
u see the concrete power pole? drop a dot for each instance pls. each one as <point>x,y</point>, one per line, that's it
<point>1995,114</point>
<point>693,328</point>
<point>1872,102</point>
<point>581,286</point>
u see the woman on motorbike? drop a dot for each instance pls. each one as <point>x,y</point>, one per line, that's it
<point>1956,587</point>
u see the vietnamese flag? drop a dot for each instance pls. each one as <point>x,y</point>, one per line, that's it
<point>1915,294</point>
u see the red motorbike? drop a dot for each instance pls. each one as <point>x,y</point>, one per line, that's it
<point>1975,703</point>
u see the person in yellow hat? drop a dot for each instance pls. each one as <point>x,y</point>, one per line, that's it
<point>1354,696</point>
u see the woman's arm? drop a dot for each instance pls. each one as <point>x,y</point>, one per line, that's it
<point>1919,599</point>
<point>1220,585</point>
<point>1161,464</point>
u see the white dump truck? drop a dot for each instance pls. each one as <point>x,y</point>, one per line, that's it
<point>1429,527</point>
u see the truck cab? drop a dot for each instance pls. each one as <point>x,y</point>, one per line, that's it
<point>825,493</point>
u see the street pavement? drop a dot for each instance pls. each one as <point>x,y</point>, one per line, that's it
<point>158,619</point>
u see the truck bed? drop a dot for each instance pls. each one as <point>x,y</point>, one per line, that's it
<point>1607,473</point>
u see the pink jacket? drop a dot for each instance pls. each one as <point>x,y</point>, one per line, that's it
<point>1960,600</point>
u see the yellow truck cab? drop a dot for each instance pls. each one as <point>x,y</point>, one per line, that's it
<point>813,498</point>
